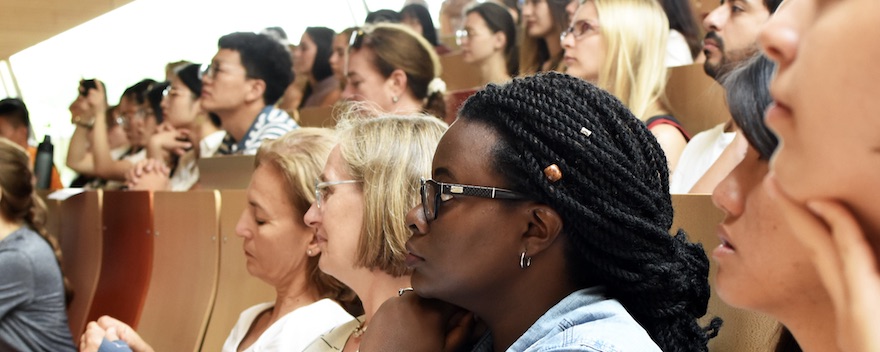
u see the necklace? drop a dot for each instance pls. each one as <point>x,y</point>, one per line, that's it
<point>360,329</point>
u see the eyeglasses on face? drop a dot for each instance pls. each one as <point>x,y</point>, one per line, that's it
<point>462,34</point>
<point>322,186</point>
<point>434,193</point>
<point>208,71</point>
<point>578,29</point>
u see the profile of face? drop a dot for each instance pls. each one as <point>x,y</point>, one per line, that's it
<point>339,220</point>
<point>465,252</point>
<point>365,82</point>
<point>276,240</point>
<point>731,34</point>
<point>225,85</point>
<point>537,19</point>
<point>16,134</point>
<point>179,106</point>
<point>585,46</point>
<point>825,111</point>
<point>142,124</point>
<point>761,265</point>
<point>304,56</point>
<point>127,110</point>
<point>478,43</point>
<point>337,58</point>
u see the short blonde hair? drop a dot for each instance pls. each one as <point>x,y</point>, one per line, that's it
<point>389,154</point>
<point>300,156</point>
<point>634,71</point>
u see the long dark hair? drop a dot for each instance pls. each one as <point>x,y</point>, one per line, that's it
<point>498,19</point>
<point>681,18</point>
<point>613,198</point>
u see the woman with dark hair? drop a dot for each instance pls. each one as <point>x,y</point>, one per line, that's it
<point>488,40</point>
<point>311,59</point>
<point>759,249</point>
<point>395,70</point>
<point>543,21</point>
<point>417,17</point>
<point>34,291</point>
<point>550,222</point>
<point>685,41</point>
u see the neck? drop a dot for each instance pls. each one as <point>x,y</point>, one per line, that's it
<point>237,121</point>
<point>814,327</point>
<point>494,69</point>
<point>407,105</point>
<point>374,287</point>
<point>296,293</point>
<point>8,227</point>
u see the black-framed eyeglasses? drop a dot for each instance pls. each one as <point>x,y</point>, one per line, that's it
<point>578,29</point>
<point>434,193</point>
<point>321,189</point>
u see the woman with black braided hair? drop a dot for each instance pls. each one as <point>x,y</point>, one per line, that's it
<point>564,245</point>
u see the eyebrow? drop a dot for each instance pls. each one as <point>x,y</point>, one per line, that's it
<point>442,171</point>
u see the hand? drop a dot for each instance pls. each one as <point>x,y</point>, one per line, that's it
<point>97,99</point>
<point>845,261</point>
<point>412,323</point>
<point>169,141</point>
<point>148,174</point>
<point>123,332</point>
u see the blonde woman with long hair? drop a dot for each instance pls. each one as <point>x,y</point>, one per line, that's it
<point>620,46</point>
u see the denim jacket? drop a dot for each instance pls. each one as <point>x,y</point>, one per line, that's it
<point>584,321</point>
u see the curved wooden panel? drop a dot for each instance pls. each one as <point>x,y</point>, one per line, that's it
<point>743,330</point>
<point>183,283</point>
<point>127,256</point>
<point>237,290</point>
<point>82,248</point>
<point>696,100</point>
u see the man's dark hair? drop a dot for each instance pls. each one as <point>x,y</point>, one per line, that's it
<point>14,111</point>
<point>263,58</point>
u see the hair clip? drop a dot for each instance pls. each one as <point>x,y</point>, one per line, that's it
<point>586,132</point>
<point>553,173</point>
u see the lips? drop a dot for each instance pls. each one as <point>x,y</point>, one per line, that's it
<point>412,259</point>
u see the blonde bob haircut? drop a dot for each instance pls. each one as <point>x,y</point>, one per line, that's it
<point>389,154</point>
<point>300,156</point>
<point>634,71</point>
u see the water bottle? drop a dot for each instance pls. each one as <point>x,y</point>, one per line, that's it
<point>43,163</point>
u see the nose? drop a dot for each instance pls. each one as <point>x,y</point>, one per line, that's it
<point>242,228</point>
<point>348,93</point>
<point>717,18</point>
<point>312,218</point>
<point>780,36</point>
<point>727,196</point>
<point>416,222</point>
<point>568,41</point>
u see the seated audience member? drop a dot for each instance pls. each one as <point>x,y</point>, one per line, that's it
<point>139,121</point>
<point>541,49</point>
<point>339,57</point>
<point>452,16</point>
<point>246,77</point>
<point>760,263</point>
<point>418,18</point>
<point>506,232</point>
<point>116,138</point>
<point>395,70</point>
<point>824,172</point>
<point>311,60</point>
<point>684,33</point>
<point>488,41</point>
<point>15,125</point>
<point>731,37</point>
<point>620,46</point>
<point>281,250</point>
<point>382,16</point>
<point>34,291</point>
<point>189,133</point>
<point>370,181</point>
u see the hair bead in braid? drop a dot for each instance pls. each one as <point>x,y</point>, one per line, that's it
<point>613,197</point>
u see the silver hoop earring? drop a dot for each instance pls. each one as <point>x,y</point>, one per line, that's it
<point>524,262</point>
<point>394,99</point>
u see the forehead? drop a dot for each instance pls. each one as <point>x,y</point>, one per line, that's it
<point>360,61</point>
<point>227,57</point>
<point>466,152</point>
<point>587,11</point>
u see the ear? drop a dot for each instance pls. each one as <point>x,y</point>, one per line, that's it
<point>396,83</point>
<point>499,40</point>
<point>255,89</point>
<point>545,226</point>
<point>313,249</point>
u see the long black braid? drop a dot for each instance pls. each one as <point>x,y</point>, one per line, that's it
<point>613,198</point>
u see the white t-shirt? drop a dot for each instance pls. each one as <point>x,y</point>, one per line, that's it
<point>293,332</point>
<point>698,155</point>
<point>187,173</point>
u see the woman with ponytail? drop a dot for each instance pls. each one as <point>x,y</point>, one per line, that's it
<point>395,69</point>
<point>548,218</point>
<point>33,291</point>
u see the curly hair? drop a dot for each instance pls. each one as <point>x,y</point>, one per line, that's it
<point>613,198</point>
